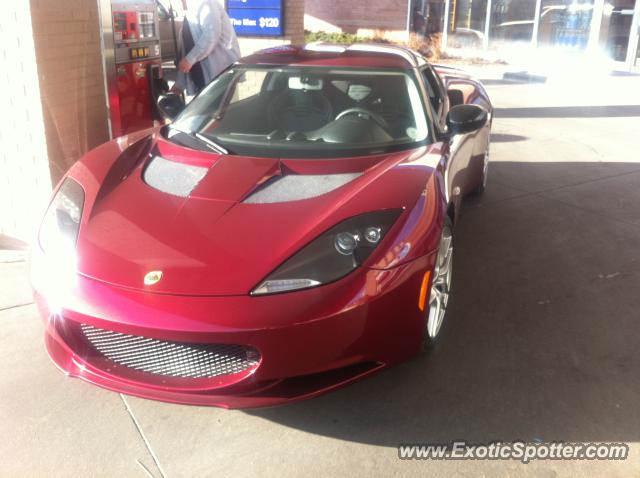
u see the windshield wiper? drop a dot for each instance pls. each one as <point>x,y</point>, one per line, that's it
<point>209,143</point>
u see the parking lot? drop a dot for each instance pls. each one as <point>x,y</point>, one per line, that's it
<point>542,340</point>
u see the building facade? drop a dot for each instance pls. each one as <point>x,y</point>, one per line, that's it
<point>609,29</point>
<point>367,18</point>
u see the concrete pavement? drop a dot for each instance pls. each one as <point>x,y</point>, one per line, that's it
<point>542,341</point>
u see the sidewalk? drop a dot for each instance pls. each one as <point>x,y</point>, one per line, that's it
<point>12,250</point>
<point>544,67</point>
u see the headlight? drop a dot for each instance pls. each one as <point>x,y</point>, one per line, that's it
<point>59,229</point>
<point>332,255</point>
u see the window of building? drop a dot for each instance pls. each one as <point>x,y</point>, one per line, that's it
<point>565,23</point>
<point>615,29</point>
<point>466,23</point>
<point>427,16</point>
<point>511,21</point>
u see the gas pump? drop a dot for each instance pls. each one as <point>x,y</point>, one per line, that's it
<point>132,63</point>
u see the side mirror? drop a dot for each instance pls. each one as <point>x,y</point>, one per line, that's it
<point>466,119</point>
<point>170,105</point>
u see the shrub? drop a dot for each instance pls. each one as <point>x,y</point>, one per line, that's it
<point>340,37</point>
<point>428,46</point>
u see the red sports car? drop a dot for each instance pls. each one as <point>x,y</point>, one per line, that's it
<point>289,232</point>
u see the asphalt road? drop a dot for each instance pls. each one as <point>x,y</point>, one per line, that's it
<point>542,341</point>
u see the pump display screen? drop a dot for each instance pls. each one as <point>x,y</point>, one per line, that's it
<point>120,22</point>
<point>137,53</point>
<point>125,25</point>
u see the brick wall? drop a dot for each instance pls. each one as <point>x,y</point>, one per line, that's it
<point>24,173</point>
<point>364,17</point>
<point>53,101</point>
<point>67,47</point>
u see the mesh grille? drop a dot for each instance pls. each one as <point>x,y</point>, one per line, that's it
<point>174,359</point>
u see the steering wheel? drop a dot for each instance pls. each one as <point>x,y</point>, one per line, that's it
<point>361,111</point>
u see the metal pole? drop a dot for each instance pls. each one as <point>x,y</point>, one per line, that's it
<point>175,37</point>
<point>445,26</point>
<point>593,43</point>
<point>536,24</point>
<point>107,51</point>
<point>634,39</point>
<point>487,21</point>
<point>409,20</point>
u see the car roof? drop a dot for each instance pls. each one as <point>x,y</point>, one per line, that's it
<point>362,55</point>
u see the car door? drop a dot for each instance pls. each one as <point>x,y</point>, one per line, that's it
<point>460,146</point>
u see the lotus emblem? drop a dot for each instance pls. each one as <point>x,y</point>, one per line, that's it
<point>152,277</point>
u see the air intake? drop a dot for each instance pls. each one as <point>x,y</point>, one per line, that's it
<point>168,358</point>
<point>173,177</point>
<point>296,187</point>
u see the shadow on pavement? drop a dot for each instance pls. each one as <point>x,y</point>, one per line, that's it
<point>501,82</point>
<point>613,111</point>
<point>11,243</point>
<point>506,138</point>
<point>542,340</point>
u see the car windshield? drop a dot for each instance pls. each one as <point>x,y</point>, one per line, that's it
<point>306,112</point>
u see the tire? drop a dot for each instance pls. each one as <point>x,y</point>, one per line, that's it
<point>440,290</point>
<point>485,173</point>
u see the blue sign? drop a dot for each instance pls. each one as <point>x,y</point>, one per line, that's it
<point>272,4</point>
<point>256,17</point>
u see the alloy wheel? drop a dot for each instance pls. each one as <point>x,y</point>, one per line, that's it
<point>441,283</point>
<point>485,171</point>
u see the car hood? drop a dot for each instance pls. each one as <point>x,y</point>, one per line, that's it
<point>226,234</point>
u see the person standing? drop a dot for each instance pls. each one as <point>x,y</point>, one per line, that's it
<point>208,45</point>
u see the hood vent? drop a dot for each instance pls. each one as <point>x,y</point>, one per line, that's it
<point>296,187</point>
<point>172,177</point>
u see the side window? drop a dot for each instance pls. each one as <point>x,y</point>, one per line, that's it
<point>435,90</point>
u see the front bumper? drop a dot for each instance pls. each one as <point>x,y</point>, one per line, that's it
<point>309,341</point>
